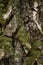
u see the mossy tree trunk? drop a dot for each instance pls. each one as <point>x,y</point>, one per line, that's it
<point>21,32</point>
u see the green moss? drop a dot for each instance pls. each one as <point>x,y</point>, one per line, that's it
<point>3,6</point>
<point>41,61</point>
<point>23,35</point>
<point>2,21</point>
<point>5,42</point>
<point>3,9</point>
<point>36,44</point>
<point>19,19</point>
<point>35,53</point>
<point>29,61</point>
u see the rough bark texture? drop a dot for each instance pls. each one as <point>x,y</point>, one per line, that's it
<point>21,32</point>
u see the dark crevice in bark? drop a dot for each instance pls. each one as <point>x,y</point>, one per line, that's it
<point>13,37</point>
<point>7,36</point>
<point>35,63</point>
<point>6,61</point>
